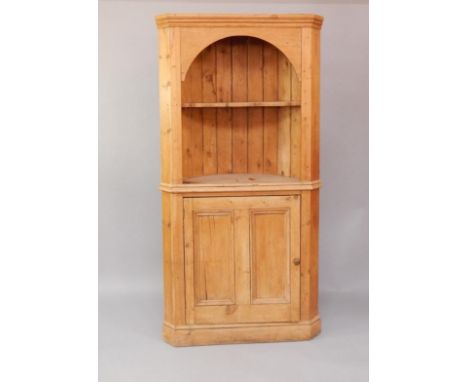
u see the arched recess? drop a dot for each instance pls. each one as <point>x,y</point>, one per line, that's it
<point>253,138</point>
<point>288,41</point>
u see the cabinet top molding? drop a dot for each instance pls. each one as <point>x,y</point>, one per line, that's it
<point>237,20</point>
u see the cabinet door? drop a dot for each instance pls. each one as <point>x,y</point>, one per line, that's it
<point>242,259</point>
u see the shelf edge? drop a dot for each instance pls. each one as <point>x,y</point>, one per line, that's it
<point>194,188</point>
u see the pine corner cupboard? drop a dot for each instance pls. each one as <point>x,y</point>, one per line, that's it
<point>239,100</point>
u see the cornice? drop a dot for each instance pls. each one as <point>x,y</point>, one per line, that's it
<point>239,20</point>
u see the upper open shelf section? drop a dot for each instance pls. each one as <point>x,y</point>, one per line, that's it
<point>241,111</point>
<point>239,95</point>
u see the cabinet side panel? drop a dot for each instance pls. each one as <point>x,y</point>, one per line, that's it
<point>315,114</point>
<point>309,254</point>
<point>306,105</point>
<point>167,258</point>
<point>176,109</point>
<point>174,277</point>
<point>165,103</point>
<point>314,271</point>
<point>177,258</point>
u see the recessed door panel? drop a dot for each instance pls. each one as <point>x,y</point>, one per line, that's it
<point>270,254</point>
<point>213,258</point>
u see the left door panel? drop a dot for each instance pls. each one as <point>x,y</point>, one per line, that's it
<point>211,226</point>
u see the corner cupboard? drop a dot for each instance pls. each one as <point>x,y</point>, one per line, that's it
<point>239,102</point>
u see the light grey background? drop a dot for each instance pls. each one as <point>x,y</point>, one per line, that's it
<point>130,271</point>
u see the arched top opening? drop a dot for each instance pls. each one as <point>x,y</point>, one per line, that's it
<point>240,69</point>
<point>287,43</point>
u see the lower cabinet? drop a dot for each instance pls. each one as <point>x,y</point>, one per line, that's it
<point>242,259</point>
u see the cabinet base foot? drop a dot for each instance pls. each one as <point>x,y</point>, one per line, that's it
<point>240,333</point>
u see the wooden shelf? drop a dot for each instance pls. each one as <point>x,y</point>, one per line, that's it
<point>243,104</point>
<point>240,182</point>
<point>245,178</point>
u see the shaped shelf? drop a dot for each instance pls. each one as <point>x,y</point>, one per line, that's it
<point>240,182</point>
<point>243,104</point>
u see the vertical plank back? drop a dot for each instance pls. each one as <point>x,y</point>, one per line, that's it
<point>270,115</point>
<point>284,117</point>
<point>210,160</point>
<point>239,115</point>
<point>255,114</point>
<point>224,94</point>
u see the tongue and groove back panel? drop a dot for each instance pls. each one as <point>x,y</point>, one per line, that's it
<point>219,140</point>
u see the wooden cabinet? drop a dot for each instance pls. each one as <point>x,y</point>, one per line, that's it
<point>239,98</point>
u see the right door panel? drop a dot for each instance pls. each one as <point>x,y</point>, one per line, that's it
<point>270,255</point>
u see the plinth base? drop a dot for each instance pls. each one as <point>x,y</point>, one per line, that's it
<point>240,333</point>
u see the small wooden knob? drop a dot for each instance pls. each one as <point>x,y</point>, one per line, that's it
<point>297,261</point>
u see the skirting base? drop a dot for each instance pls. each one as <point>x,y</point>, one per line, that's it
<point>240,333</point>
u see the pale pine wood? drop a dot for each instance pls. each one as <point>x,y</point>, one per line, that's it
<point>237,334</point>
<point>217,252</point>
<point>242,104</point>
<point>270,241</point>
<point>255,115</point>
<point>296,128</point>
<point>167,258</point>
<point>314,269</point>
<point>165,38</point>
<point>225,188</point>
<point>315,105</point>
<point>174,278</point>
<point>239,98</point>
<point>233,124</point>
<point>224,116</point>
<point>187,156</point>
<point>284,116</point>
<point>174,128</point>
<point>227,19</point>
<point>239,93</point>
<point>309,255</point>
<point>192,123</point>
<point>213,274</point>
<point>189,266</point>
<point>208,57</point>
<point>306,107</point>
<point>306,255</point>
<point>288,41</point>
<point>270,124</point>
<point>245,178</point>
<point>243,265</point>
